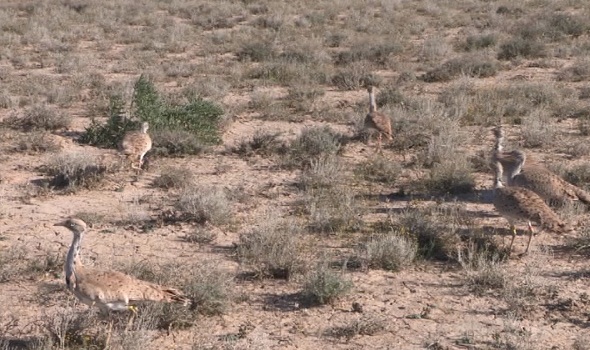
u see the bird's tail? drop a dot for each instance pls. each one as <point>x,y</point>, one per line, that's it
<point>176,296</point>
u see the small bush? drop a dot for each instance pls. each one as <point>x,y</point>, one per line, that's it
<point>473,66</point>
<point>379,169</point>
<point>274,249</point>
<point>262,143</point>
<point>69,328</point>
<point>257,52</point>
<point>390,251</point>
<point>201,235</point>
<point>313,142</point>
<point>521,47</point>
<point>39,117</point>
<point>332,210</point>
<point>172,143</point>
<point>324,286</point>
<point>76,170</point>
<point>198,119</point>
<point>578,175</point>
<point>478,42</point>
<point>483,269</point>
<point>172,177</point>
<point>453,176</point>
<point>322,173</point>
<point>352,77</point>
<point>537,131</point>
<point>434,240</point>
<point>37,142</point>
<point>204,204</point>
<point>579,71</point>
<point>366,325</point>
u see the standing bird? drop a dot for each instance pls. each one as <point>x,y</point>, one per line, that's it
<point>376,121</point>
<point>135,144</point>
<point>109,290</point>
<point>534,176</point>
<point>521,204</point>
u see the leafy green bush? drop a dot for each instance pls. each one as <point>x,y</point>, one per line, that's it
<point>198,117</point>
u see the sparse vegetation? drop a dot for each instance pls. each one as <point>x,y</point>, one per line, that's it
<point>75,170</point>
<point>39,117</point>
<point>324,285</point>
<point>261,104</point>
<point>390,251</point>
<point>274,249</point>
<point>204,205</point>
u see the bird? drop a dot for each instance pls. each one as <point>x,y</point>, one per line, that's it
<point>517,204</point>
<point>554,190</point>
<point>135,144</point>
<point>107,289</point>
<point>376,121</point>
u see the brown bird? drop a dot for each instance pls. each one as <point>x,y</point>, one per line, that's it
<point>534,176</point>
<point>135,144</point>
<point>109,290</point>
<point>376,121</point>
<point>518,204</point>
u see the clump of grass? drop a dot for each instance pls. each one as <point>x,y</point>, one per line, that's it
<point>332,210</point>
<point>434,240</point>
<point>478,42</point>
<point>257,51</point>
<point>74,170</point>
<point>473,66</point>
<point>12,262</point>
<point>37,142</point>
<point>262,143</point>
<point>204,205</point>
<point>201,235</point>
<point>578,71</point>
<point>39,117</point>
<point>453,176</point>
<point>172,143</point>
<point>390,251</point>
<point>69,328</point>
<point>537,130</point>
<point>174,177</point>
<point>324,285</point>
<point>366,325</point>
<point>378,53</point>
<point>312,143</point>
<point>322,172</point>
<point>379,169</point>
<point>483,267</point>
<point>273,249</point>
<point>521,47</point>
<point>352,77</point>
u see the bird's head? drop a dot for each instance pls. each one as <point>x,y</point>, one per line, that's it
<point>144,127</point>
<point>370,88</point>
<point>75,225</point>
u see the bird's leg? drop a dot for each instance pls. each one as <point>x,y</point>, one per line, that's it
<point>513,230</point>
<point>531,232</point>
<point>133,310</point>
<point>379,143</point>
<point>109,333</point>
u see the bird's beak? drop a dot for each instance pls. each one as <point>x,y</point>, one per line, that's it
<point>63,223</point>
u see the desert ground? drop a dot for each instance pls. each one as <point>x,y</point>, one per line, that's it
<point>263,197</point>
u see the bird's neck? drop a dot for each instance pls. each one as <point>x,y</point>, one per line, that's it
<point>498,147</point>
<point>73,259</point>
<point>372,104</point>
<point>498,176</point>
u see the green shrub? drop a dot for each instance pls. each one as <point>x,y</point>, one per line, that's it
<point>196,118</point>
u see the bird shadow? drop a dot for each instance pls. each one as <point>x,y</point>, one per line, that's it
<point>22,343</point>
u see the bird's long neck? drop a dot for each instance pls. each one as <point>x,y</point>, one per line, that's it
<point>372,104</point>
<point>73,258</point>
<point>498,147</point>
<point>498,175</point>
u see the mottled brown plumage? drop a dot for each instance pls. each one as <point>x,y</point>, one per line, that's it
<point>108,290</point>
<point>518,204</point>
<point>135,144</point>
<point>534,176</point>
<point>376,121</point>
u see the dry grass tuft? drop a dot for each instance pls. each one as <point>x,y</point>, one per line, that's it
<point>75,170</point>
<point>204,205</point>
<point>173,177</point>
<point>324,285</point>
<point>39,117</point>
<point>273,249</point>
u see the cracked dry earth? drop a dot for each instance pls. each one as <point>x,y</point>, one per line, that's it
<point>428,305</point>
